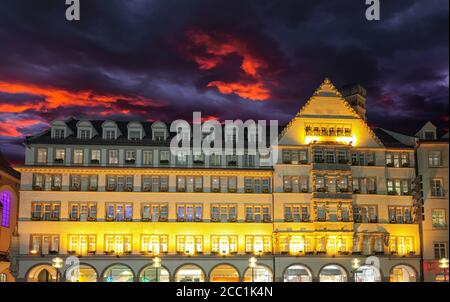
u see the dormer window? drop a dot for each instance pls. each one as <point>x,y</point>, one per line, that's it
<point>134,135</point>
<point>84,134</point>
<point>429,135</point>
<point>159,131</point>
<point>59,133</point>
<point>110,134</point>
<point>135,131</point>
<point>159,135</point>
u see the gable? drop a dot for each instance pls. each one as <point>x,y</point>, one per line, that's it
<point>335,119</point>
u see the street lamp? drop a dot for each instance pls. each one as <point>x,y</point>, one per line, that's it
<point>443,264</point>
<point>57,263</point>
<point>157,264</point>
<point>355,266</point>
<point>252,264</point>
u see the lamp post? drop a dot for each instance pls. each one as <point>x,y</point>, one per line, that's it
<point>355,266</point>
<point>443,264</point>
<point>57,263</point>
<point>252,264</point>
<point>157,264</point>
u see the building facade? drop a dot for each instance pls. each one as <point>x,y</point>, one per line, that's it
<point>9,197</point>
<point>433,161</point>
<point>337,206</point>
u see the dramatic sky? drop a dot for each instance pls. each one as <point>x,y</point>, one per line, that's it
<point>259,59</point>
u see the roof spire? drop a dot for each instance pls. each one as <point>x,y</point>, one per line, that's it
<point>327,89</point>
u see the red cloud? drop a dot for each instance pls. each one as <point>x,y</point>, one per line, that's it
<point>13,127</point>
<point>214,48</point>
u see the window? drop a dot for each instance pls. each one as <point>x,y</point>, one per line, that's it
<point>85,134</point>
<point>3,277</point>
<point>215,160</point>
<point>232,160</point>
<point>189,244</point>
<point>189,212</point>
<point>113,157</point>
<point>155,183</point>
<point>78,156</point>
<point>81,211</point>
<point>397,160</point>
<point>83,182</point>
<point>398,186</point>
<point>47,182</point>
<point>60,155</point>
<point>130,156</point>
<point>41,155</point>
<point>5,201</point>
<point>223,213</point>
<point>134,135</point>
<point>440,250</point>
<point>223,244</point>
<point>44,244</point>
<point>257,244</point>
<point>198,158</point>
<point>118,244</point>
<point>164,157</point>
<point>47,211</point>
<point>296,244</point>
<point>154,244</point>
<point>257,213</point>
<point>436,187</point>
<point>147,157</point>
<point>329,156</point>
<point>159,135</point>
<point>342,156</point>
<point>154,212</point>
<point>59,133</point>
<point>257,185</point>
<point>95,156</point>
<point>372,185</point>
<point>82,244</point>
<point>182,158</point>
<point>429,135</point>
<point>438,219</point>
<point>119,212</point>
<point>119,183</point>
<point>401,245</point>
<point>110,134</point>
<point>434,159</point>
<point>296,213</point>
<point>365,214</point>
<point>318,156</point>
<point>400,214</point>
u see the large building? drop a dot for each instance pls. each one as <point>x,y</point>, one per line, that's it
<point>9,198</point>
<point>337,206</point>
<point>433,161</point>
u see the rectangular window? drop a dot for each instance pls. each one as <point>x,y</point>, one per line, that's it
<point>189,212</point>
<point>154,244</point>
<point>130,156</point>
<point>438,219</point>
<point>147,157</point>
<point>154,212</point>
<point>434,159</point>
<point>95,156</point>
<point>436,187</point>
<point>189,245</point>
<point>215,160</point>
<point>83,211</point>
<point>119,212</point>
<point>59,133</point>
<point>182,158</point>
<point>110,134</point>
<point>318,156</point>
<point>223,213</point>
<point>45,211</point>
<point>134,135</point>
<point>257,213</point>
<point>85,134</point>
<point>440,250</point>
<point>60,155</point>
<point>41,155</point>
<point>257,244</point>
<point>78,156</point>
<point>164,157</point>
<point>44,244</point>
<point>223,244</point>
<point>113,157</point>
<point>118,244</point>
<point>82,244</point>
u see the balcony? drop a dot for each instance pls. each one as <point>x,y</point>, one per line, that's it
<point>331,167</point>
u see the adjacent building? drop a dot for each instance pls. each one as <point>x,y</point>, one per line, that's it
<point>9,194</point>
<point>337,206</point>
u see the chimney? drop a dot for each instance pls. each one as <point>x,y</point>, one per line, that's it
<point>355,95</point>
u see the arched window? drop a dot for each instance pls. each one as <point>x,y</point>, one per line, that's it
<point>224,273</point>
<point>258,274</point>
<point>5,199</point>
<point>152,274</point>
<point>42,273</point>
<point>118,273</point>
<point>297,273</point>
<point>403,273</point>
<point>189,273</point>
<point>367,273</point>
<point>333,273</point>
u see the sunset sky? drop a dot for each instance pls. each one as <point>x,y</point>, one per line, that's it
<point>260,59</point>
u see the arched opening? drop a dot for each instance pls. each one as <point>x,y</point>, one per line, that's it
<point>152,274</point>
<point>189,273</point>
<point>367,273</point>
<point>85,273</point>
<point>297,273</point>
<point>402,273</point>
<point>333,273</point>
<point>260,273</point>
<point>43,273</point>
<point>224,273</point>
<point>118,273</point>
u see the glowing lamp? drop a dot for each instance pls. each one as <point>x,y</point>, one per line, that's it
<point>355,263</point>
<point>443,263</point>
<point>57,262</point>
<point>156,262</point>
<point>252,262</point>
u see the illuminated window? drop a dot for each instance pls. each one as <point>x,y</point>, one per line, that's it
<point>82,244</point>
<point>119,211</point>
<point>118,244</point>
<point>296,213</point>
<point>223,212</point>
<point>154,212</point>
<point>187,244</point>
<point>44,244</point>
<point>113,157</point>
<point>46,211</point>
<point>438,218</point>
<point>47,182</point>
<point>83,182</point>
<point>147,157</point>
<point>257,213</point>
<point>154,244</point>
<point>5,200</point>
<point>401,245</point>
<point>60,155</point>
<point>95,156</point>
<point>78,156</point>
<point>189,212</point>
<point>119,183</point>
<point>436,187</point>
<point>81,211</point>
<point>434,159</point>
<point>222,244</point>
<point>41,155</point>
<point>257,244</point>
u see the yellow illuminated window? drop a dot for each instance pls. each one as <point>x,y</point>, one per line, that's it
<point>257,244</point>
<point>154,244</point>
<point>189,244</point>
<point>118,244</point>
<point>223,244</point>
<point>82,244</point>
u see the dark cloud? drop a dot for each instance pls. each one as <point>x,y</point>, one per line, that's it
<point>131,60</point>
